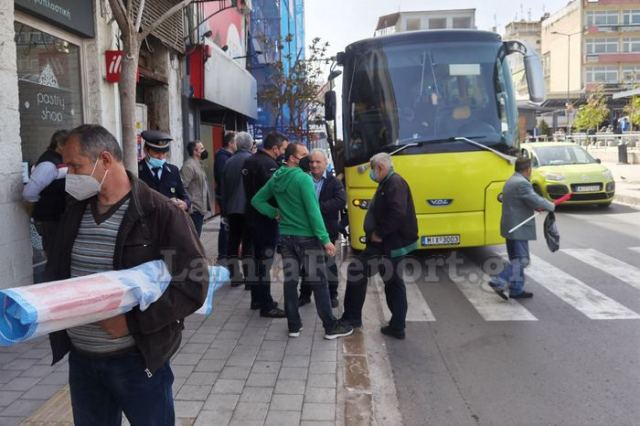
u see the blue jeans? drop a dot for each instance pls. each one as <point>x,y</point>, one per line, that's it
<point>306,252</point>
<point>513,273</point>
<point>103,388</point>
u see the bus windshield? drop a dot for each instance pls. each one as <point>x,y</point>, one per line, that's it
<point>421,92</point>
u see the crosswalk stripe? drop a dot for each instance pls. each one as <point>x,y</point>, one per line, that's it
<point>418,309</point>
<point>612,266</point>
<point>585,299</point>
<point>490,306</point>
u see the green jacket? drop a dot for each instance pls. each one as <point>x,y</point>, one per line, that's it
<point>298,206</point>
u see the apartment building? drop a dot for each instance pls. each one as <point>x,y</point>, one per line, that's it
<point>426,20</point>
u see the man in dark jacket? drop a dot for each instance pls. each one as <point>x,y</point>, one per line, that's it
<point>234,204</point>
<point>263,230</point>
<point>332,199</point>
<point>228,148</point>
<point>46,190</point>
<point>391,229</point>
<point>117,222</point>
<point>157,173</point>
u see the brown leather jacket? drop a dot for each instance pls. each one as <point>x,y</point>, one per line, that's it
<point>152,228</point>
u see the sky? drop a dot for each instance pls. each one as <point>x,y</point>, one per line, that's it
<point>341,22</point>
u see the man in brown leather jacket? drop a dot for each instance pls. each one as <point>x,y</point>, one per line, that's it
<point>117,222</point>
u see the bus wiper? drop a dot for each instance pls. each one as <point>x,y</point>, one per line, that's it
<point>508,158</point>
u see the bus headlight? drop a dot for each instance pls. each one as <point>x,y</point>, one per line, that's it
<point>363,204</point>
<point>363,240</point>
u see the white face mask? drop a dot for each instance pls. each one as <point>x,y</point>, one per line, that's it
<point>82,187</point>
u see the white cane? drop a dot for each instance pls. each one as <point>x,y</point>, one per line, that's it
<point>523,222</point>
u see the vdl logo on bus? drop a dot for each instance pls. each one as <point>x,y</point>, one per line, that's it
<point>440,202</point>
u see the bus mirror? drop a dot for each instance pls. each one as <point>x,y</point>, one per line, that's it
<point>340,58</point>
<point>330,105</point>
<point>532,66</point>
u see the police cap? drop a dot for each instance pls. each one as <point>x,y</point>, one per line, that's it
<point>157,140</point>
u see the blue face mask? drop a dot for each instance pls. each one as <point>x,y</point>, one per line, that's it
<point>373,175</point>
<point>156,162</point>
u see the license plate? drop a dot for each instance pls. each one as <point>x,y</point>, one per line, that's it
<point>441,240</point>
<point>587,188</point>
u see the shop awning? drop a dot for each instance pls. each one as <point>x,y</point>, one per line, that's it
<point>229,84</point>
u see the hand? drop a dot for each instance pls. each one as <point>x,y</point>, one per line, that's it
<point>181,204</point>
<point>115,326</point>
<point>330,249</point>
<point>375,238</point>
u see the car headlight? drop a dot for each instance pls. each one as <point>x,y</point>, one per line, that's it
<point>553,176</point>
<point>607,174</point>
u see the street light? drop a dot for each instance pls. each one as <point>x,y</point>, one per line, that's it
<point>567,104</point>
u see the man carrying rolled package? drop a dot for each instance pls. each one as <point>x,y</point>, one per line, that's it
<point>116,221</point>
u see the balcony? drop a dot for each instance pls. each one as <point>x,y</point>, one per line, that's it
<point>612,58</point>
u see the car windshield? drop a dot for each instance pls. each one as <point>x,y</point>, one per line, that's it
<point>562,155</point>
<point>417,92</point>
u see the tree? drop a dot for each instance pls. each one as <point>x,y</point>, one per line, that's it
<point>594,112</point>
<point>299,87</point>
<point>129,20</point>
<point>544,128</point>
<point>632,109</point>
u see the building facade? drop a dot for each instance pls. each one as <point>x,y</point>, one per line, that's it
<point>277,33</point>
<point>426,20</point>
<point>590,44</point>
<point>59,71</point>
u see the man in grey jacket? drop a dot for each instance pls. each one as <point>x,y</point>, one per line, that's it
<point>519,201</point>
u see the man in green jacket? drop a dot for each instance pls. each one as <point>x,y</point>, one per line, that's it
<point>303,238</point>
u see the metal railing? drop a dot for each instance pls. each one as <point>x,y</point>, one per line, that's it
<point>603,139</point>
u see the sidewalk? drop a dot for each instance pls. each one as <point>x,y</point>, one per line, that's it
<point>233,367</point>
<point>627,177</point>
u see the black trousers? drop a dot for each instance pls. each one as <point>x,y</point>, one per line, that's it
<point>263,241</point>
<point>332,278</point>
<point>238,238</point>
<point>47,230</point>
<point>365,265</point>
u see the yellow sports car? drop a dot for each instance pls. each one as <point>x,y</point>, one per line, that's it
<point>564,167</point>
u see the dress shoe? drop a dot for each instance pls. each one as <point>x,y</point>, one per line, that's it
<point>523,295</point>
<point>388,331</point>
<point>498,290</point>
<point>273,313</point>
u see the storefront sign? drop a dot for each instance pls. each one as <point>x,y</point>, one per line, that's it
<point>73,15</point>
<point>114,65</point>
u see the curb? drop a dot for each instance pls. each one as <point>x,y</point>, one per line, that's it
<point>629,200</point>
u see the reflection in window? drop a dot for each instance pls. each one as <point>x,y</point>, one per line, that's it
<point>49,88</point>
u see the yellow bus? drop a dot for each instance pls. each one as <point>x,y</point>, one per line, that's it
<point>442,104</point>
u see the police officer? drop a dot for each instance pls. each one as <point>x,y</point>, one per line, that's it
<point>157,173</point>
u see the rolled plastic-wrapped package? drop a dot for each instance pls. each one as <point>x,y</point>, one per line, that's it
<point>31,311</point>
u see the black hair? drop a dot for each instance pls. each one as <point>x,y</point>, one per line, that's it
<point>522,164</point>
<point>228,138</point>
<point>94,140</point>
<point>58,138</point>
<point>191,147</point>
<point>273,139</point>
<point>292,149</point>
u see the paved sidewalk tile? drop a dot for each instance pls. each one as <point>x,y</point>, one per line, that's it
<point>315,411</point>
<point>286,403</point>
<point>283,418</point>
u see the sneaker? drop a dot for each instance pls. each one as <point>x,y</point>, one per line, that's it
<point>295,333</point>
<point>338,330</point>
<point>334,302</point>
<point>523,295</point>
<point>273,313</point>
<point>388,331</point>
<point>303,300</point>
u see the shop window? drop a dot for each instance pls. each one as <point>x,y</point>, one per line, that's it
<point>49,88</point>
